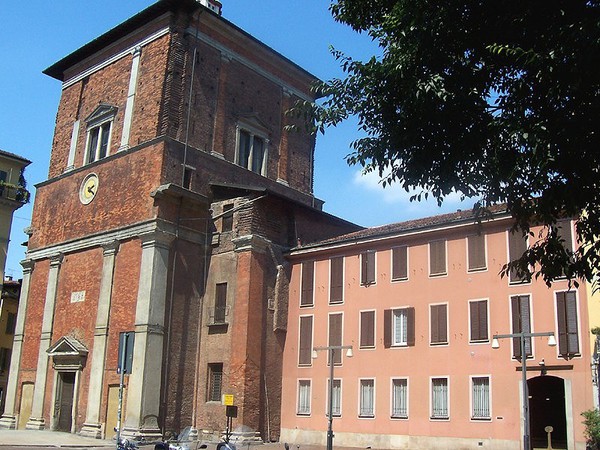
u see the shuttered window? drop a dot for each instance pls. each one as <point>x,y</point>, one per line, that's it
<point>336,282</point>
<point>220,304</point>
<point>399,327</point>
<point>400,263</point>
<point>566,313</point>
<point>437,258</point>
<point>367,329</point>
<point>335,335</point>
<point>439,324</point>
<point>227,219</point>
<point>480,398</point>
<point>476,252</point>
<point>303,397</point>
<point>367,272</point>
<point>564,232</point>
<point>521,323</point>
<point>517,245</point>
<point>305,345</point>
<point>478,314</point>
<point>308,281</point>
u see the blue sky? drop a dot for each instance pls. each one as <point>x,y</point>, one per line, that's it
<point>36,33</point>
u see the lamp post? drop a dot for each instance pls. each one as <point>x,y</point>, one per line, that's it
<point>331,351</point>
<point>523,337</point>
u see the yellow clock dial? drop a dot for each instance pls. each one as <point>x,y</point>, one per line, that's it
<point>89,188</point>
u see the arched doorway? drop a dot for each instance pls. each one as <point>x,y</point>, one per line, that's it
<point>547,408</point>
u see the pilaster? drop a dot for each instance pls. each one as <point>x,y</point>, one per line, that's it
<point>36,421</point>
<point>92,426</point>
<point>9,418</point>
<point>135,68</point>
<point>143,394</point>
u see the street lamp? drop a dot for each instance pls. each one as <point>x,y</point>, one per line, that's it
<point>331,351</point>
<point>523,337</point>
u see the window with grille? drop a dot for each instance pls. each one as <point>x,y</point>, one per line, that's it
<point>215,382</point>
<point>336,280</point>
<point>478,321</point>
<point>305,346</point>
<point>480,398</point>
<point>439,398</point>
<point>400,263</point>
<point>476,252</point>
<point>303,397</point>
<point>336,407</point>
<point>400,398</point>
<point>367,398</point>
<point>517,245</point>
<point>439,324</point>
<point>367,268</point>
<point>437,258</point>
<point>367,329</point>
<point>399,327</point>
<point>521,323</point>
<point>568,333</point>
<point>308,281</point>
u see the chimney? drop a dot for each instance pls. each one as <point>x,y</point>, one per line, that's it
<point>213,5</point>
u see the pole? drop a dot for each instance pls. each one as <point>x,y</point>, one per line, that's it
<point>330,417</point>
<point>121,384</point>
<point>525,394</point>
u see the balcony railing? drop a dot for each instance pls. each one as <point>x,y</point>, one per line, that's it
<point>13,192</point>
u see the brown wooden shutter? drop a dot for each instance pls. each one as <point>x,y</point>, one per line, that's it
<point>335,335</point>
<point>568,336</point>
<point>368,267</point>
<point>400,263</point>
<point>337,280</point>
<point>439,326</point>
<point>521,321</point>
<point>306,297</point>
<point>367,328</point>
<point>564,232</point>
<point>479,320</point>
<point>305,350</point>
<point>437,257</point>
<point>476,248</point>
<point>387,328</point>
<point>410,326</point>
<point>517,245</point>
<point>516,325</point>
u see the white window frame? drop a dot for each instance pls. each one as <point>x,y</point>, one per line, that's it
<point>441,274</point>
<point>308,411</point>
<point>447,342</point>
<point>336,313</point>
<point>432,417</point>
<point>360,399</point>
<point>314,283</point>
<point>531,323</point>
<point>478,342</point>
<point>399,280</point>
<point>485,254</point>
<point>399,342</point>
<point>374,311</point>
<point>508,256</point>
<point>102,115</point>
<point>374,282</point>
<point>312,338</point>
<point>556,333</point>
<point>254,132</point>
<point>343,281</point>
<point>393,397</point>
<point>472,398</point>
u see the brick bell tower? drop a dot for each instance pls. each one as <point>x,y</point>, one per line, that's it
<point>173,193</point>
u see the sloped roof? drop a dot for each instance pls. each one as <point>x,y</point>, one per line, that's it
<point>13,156</point>
<point>389,230</point>
<point>67,346</point>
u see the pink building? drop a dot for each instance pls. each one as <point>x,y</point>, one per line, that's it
<point>420,302</point>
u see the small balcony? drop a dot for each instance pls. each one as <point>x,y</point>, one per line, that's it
<point>14,193</point>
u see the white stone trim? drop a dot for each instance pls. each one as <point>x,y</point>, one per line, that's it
<point>160,33</point>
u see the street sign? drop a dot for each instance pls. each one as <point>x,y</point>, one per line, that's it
<point>228,399</point>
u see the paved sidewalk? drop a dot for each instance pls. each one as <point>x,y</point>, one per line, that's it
<point>35,438</point>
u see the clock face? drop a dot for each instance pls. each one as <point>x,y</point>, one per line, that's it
<point>89,188</point>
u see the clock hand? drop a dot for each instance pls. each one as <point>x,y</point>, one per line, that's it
<point>90,188</point>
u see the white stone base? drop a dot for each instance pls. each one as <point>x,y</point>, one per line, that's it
<point>93,430</point>
<point>36,424</point>
<point>8,422</point>
<point>394,441</point>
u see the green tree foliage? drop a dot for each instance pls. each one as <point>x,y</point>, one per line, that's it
<point>495,100</point>
<point>592,428</point>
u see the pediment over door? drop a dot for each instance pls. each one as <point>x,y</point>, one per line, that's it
<point>68,353</point>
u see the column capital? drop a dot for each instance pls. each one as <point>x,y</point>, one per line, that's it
<point>28,265</point>
<point>287,93</point>
<point>110,248</point>
<point>156,239</point>
<point>226,56</point>
<point>137,51</point>
<point>57,260</point>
